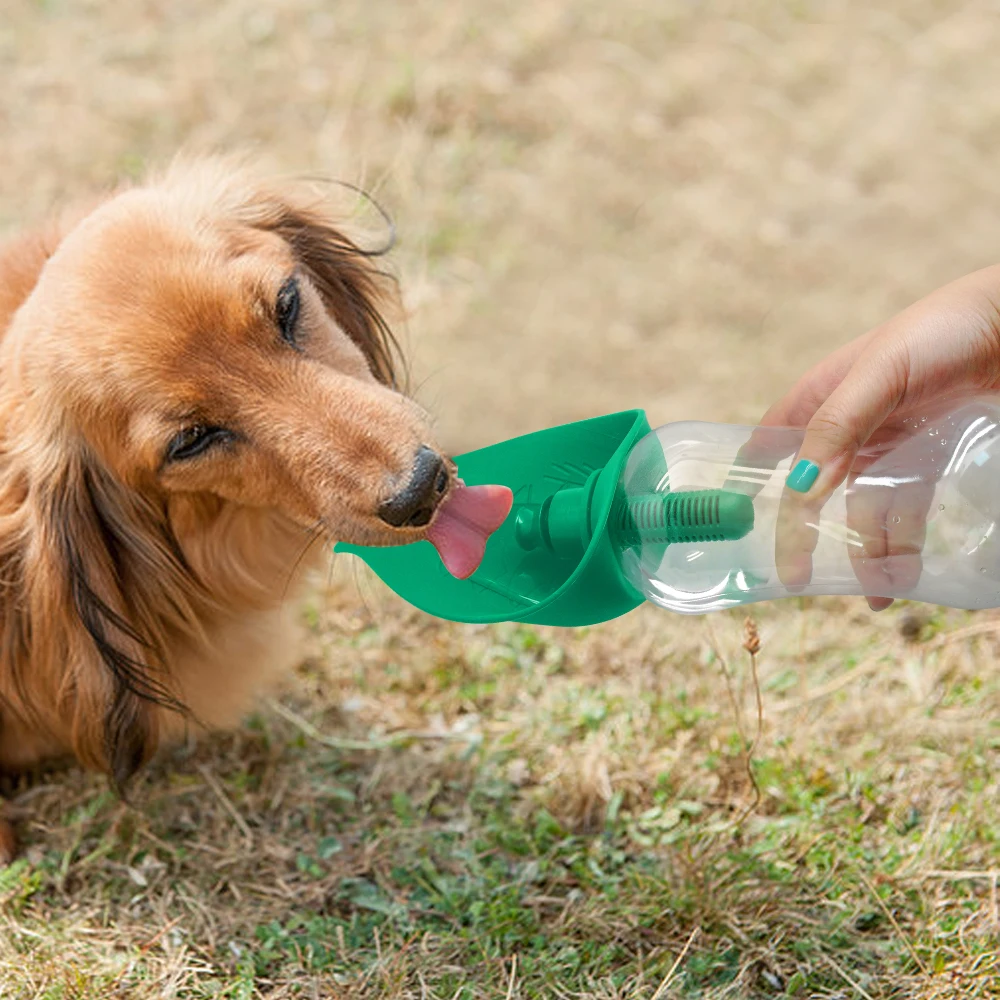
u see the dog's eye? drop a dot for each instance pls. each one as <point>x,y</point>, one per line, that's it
<point>194,440</point>
<point>286,310</point>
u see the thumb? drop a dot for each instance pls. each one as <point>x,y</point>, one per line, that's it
<point>851,414</point>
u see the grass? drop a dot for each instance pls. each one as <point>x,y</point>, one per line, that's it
<point>601,206</point>
<point>511,811</point>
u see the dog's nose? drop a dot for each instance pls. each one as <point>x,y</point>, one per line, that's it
<point>414,505</point>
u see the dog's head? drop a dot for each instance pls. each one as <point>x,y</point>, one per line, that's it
<point>206,334</point>
<point>200,344</point>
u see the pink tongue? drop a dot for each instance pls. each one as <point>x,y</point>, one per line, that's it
<point>462,526</point>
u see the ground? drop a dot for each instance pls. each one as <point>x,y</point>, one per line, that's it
<point>670,205</point>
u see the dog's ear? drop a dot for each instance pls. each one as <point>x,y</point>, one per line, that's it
<point>110,554</point>
<point>353,289</point>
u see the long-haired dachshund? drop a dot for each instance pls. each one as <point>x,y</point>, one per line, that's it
<point>197,394</point>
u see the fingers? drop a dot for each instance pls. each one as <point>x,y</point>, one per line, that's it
<point>863,400</point>
<point>795,539</point>
<point>886,530</point>
<point>888,526</point>
<point>835,434</point>
<point>799,510</point>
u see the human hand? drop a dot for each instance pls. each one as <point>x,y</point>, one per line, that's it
<point>944,347</point>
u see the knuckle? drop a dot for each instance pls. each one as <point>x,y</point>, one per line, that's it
<point>830,430</point>
<point>827,423</point>
<point>836,430</point>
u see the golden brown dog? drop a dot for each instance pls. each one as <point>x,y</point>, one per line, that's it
<point>197,395</point>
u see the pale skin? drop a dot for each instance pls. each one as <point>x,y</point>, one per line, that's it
<point>943,347</point>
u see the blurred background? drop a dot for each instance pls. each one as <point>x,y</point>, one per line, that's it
<point>670,205</point>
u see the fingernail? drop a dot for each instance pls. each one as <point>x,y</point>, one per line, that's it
<point>879,603</point>
<point>802,476</point>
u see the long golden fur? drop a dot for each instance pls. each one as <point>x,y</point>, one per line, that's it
<point>144,581</point>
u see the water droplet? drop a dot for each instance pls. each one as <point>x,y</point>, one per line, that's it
<point>895,520</point>
<point>940,506</point>
<point>923,420</point>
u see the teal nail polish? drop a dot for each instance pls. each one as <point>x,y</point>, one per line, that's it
<point>802,476</point>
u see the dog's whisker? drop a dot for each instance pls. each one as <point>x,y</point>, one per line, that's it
<point>359,568</point>
<point>312,534</point>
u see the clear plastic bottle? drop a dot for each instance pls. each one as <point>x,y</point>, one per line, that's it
<point>703,520</point>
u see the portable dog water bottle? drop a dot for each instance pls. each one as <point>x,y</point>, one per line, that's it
<point>697,516</point>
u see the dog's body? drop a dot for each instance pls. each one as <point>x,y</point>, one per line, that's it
<point>196,396</point>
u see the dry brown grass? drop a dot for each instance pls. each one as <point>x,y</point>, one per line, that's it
<point>669,205</point>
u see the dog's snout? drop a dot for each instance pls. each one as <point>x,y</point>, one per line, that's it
<point>414,505</point>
